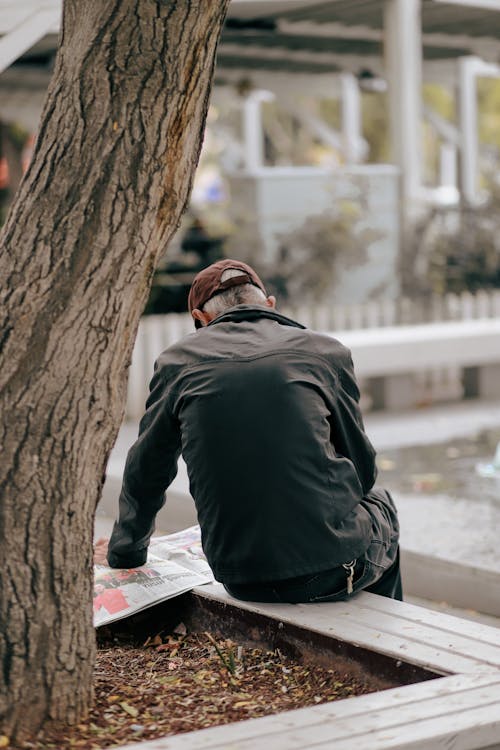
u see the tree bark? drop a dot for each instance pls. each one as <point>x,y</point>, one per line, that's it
<point>118,144</point>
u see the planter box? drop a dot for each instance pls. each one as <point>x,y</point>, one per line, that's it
<point>447,671</point>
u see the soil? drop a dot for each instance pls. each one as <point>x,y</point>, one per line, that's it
<point>182,682</point>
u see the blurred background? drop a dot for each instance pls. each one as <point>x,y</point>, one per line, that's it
<point>352,154</point>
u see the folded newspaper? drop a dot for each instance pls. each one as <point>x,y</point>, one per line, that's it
<point>175,564</point>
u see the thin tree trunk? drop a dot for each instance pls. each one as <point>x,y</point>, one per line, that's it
<point>118,144</point>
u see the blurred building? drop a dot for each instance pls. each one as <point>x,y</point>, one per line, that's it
<point>293,55</point>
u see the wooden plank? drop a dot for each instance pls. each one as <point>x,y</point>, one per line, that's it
<point>339,621</point>
<point>352,719</point>
<point>476,728</point>
<point>393,727</point>
<point>404,610</point>
<point>414,632</point>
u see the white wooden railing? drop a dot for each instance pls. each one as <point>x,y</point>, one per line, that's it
<point>403,311</point>
<point>443,383</point>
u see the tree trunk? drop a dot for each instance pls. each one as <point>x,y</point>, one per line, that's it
<point>118,144</point>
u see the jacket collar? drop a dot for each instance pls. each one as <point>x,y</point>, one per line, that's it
<point>253,312</point>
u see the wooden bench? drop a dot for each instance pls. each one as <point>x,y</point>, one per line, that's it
<point>390,358</point>
<point>460,710</point>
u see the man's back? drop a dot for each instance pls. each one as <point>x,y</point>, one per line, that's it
<point>277,458</point>
<point>267,416</point>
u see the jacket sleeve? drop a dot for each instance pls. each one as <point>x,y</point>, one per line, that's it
<point>347,430</point>
<point>150,467</point>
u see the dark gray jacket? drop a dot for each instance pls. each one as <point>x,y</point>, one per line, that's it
<point>266,415</point>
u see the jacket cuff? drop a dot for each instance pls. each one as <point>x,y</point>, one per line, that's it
<point>132,560</point>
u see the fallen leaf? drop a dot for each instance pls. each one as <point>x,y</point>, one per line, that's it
<point>131,710</point>
<point>4,740</point>
<point>168,680</point>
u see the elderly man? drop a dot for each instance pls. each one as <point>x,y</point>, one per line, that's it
<point>266,415</point>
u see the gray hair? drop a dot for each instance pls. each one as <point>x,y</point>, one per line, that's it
<point>236,295</point>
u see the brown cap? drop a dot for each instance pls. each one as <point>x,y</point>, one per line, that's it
<point>208,282</point>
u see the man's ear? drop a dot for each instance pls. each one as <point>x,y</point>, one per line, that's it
<point>203,317</point>
<point>270,302</point>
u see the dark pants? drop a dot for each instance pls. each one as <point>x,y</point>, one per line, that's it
<point>377,571</point>
<point>329,585</point>
<point>389,584</point>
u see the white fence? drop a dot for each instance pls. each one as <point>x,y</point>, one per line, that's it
<point>382,313</point>
<point>157,332</point>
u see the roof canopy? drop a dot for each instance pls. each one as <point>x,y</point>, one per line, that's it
<point>314,37</point>
<point>292,36</point>
<point>293,46</point>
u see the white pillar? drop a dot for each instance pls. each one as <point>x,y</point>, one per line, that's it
<point>467,96</point>
<point>253,136</point>
<point>448,165</point>
<point>352,136</point>
<point>403,59</point>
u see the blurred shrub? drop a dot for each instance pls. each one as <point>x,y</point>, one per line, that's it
<point>312,257</point>
<point>455,249</point>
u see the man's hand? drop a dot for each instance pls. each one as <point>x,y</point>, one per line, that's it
<point>101,552</point>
